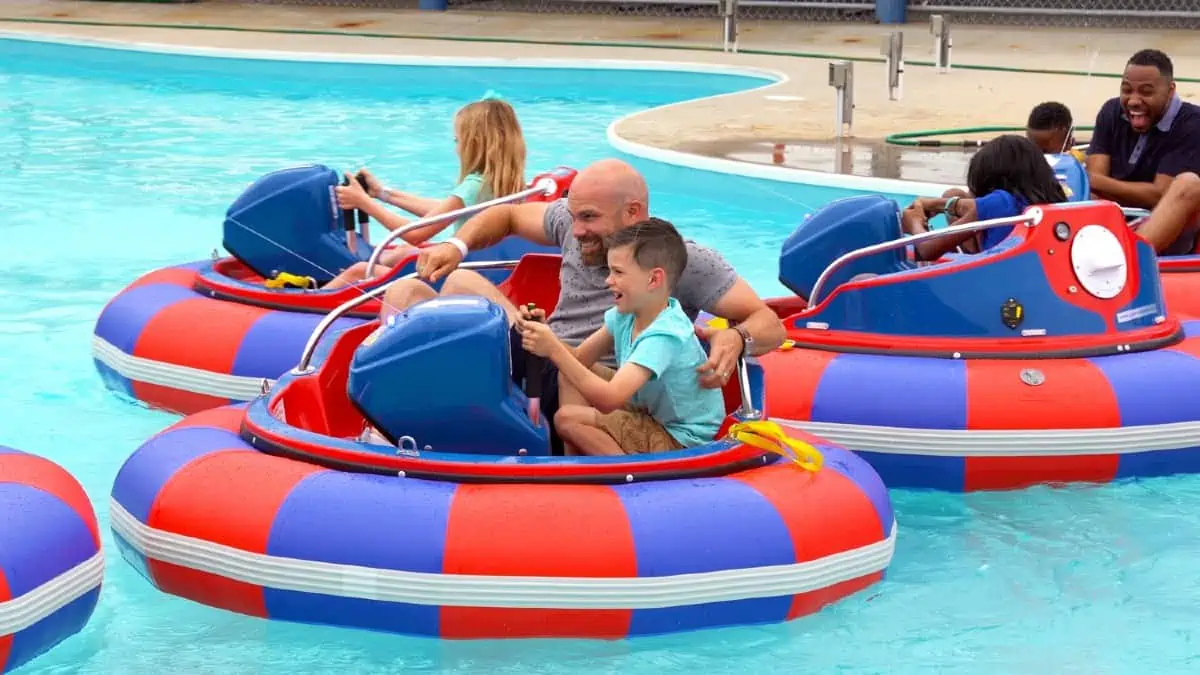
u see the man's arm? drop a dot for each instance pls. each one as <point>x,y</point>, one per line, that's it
<point>491,225</point>
<point>742,306</point>
<point>1099,166</point>
<point>1125,193</point>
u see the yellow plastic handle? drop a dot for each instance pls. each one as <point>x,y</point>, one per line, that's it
<point>769,436</point>
<point>283,279</point>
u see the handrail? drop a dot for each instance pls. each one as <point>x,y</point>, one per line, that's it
<point>912,240</point>
<point>746,410</point>
<point>545,186</point>
<point>305,367</point>
<point>1132,212</point>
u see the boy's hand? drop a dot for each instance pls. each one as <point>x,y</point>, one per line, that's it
<point>536,314</point>
<point>537,338</point>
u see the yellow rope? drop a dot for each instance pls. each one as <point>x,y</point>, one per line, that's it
<point>771,437</point>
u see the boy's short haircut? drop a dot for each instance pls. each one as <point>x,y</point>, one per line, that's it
<point>656,243</point>
<point>1049,115</point>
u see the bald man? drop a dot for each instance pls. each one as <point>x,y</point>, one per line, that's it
<point>606,196</point>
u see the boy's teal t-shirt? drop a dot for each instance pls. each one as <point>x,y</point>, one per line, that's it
<point>669,349</point>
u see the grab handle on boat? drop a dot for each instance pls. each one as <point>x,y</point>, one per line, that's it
<point>746,411</point>
<point>348,224</point>
<point>336,313</point>
<point>1032,217</point>
<point>364,219</point>
<point>1132,213</point>
<point>545,186</point>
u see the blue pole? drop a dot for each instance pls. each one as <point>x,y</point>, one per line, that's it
<point>435,5</point>
<point>888,11</point>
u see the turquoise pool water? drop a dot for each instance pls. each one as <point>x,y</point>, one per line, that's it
<point>114,163</point>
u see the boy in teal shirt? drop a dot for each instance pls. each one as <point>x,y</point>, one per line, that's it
<point>653,401</point>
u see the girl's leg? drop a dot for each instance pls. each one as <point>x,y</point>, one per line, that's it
<point>394,256</point>
<point>352,275</point>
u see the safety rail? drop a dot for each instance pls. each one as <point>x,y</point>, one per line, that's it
<point>305,367</point>
<point>746,411</point>
<point>545,186</point>
<point>1133,213</point>
<point>912,240</point>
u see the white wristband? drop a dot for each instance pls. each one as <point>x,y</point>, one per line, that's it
<point>383,190</point>
<point>459,244</point>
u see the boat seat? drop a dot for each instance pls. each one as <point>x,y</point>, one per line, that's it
<point>838,228</point>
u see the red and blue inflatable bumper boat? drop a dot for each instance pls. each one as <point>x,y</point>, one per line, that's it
<point>1180,281</point>
<point>51,562</point>
<point>463,525</point>
<point>1049,358</point>
<point>206,334</point>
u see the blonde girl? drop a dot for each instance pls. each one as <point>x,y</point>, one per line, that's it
<point>491,160</point>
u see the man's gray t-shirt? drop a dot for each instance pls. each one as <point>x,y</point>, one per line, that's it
<point>584,297</point>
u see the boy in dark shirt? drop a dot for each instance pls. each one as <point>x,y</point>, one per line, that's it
<point>1050,128</point>
<point>1143,139</point>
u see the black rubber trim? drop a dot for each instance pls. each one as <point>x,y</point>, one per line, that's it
<point>1107,350</point>
<point>220,295</point>
<point>271,448</point>
<point>1193,267</point>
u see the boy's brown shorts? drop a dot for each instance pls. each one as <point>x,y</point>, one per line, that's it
<point>634,430</point>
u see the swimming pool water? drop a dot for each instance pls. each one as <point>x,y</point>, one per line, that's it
<point>114,163</point>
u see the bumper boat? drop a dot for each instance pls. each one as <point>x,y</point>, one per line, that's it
<point>1049,358</point>
<point>1181,284</point>
<point>206,334</point>
<point>51,563</point>
<point>463,525</point>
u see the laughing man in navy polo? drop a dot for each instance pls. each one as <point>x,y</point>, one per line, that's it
<point>1143,140</point>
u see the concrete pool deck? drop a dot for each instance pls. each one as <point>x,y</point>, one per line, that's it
<point>744,127</point>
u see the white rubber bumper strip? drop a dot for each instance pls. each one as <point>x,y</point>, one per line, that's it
<point>22,612</point>
<point>471,590</point>
<point>183,378</point>
<point>1006,443</point>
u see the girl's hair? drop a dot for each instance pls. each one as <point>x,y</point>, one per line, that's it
<point>491,144</point>
<point>1013,163</point>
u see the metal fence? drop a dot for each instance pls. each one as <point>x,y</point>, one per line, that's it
<point>1176,14</point>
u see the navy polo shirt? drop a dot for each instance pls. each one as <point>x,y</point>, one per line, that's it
<point>1170,147</point>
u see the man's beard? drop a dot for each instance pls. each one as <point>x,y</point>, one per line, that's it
<point>593,258</point>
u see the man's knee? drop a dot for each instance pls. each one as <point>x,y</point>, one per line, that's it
<point>1187,187</point>
<point>466,282</point>
<point>406,292</point>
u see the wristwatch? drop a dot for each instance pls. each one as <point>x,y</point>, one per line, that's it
<point>747,339</point>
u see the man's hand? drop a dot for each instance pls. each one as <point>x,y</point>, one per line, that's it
<point>435,262</point>
<point>725,345</point>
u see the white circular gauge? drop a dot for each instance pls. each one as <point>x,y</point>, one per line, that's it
<point>1099,261</point>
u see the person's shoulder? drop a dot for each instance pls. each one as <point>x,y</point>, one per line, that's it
<point>556,221</point>
<point>1109,113</point>
<point>1112,106</point>
<point>673,322</point>
<point>703,260</point>
<point>468,188</point>
<point>1189,117</point>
